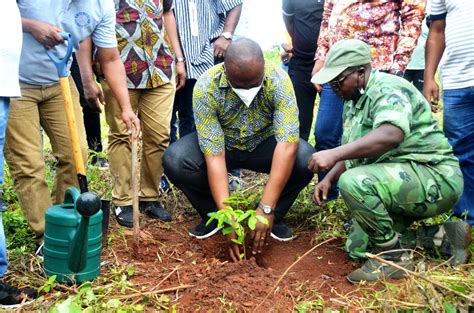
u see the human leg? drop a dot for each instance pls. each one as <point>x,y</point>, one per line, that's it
<point>305,95</point>
<point>381,195</point>
<point>328,127</point>
<point>53,121</point>
<point>416,78</point>
<point>185,111</point>
<point>155,113</point>
<point>458,122</point>
<point>24,156</point>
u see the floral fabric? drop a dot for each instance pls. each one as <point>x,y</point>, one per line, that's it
<point>143,44</point>
<point>390,27</point>
<point>223,121</point>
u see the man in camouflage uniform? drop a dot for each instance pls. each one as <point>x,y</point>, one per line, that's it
<point>246,117</point>
<point>395,165</point>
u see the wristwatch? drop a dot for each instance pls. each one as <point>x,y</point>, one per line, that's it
<point>227,35</point>
<point>178,59</point>
<point>266,208</point>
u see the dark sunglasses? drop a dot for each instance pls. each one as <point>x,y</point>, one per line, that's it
<point>336,83</point>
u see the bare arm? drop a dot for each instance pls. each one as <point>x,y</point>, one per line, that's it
<point>375,143</point>
<point>114,73</point>
<point>435,45</point>
<point>92,92</point>
<point>232,19</point>
<point>172,30</point>
<point>217,176</point>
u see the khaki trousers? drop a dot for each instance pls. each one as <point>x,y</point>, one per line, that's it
<point>41,107</point>
<point>154,107</point>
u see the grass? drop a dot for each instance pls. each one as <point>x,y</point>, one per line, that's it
<point>115,292</point>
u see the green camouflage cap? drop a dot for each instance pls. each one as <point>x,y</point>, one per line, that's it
<point>343,54</point>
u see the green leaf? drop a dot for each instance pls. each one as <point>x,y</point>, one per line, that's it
<point>262,219</point>
<point>244,216</point>
<point>236,241</point>
<point>449,308</point>
<point>252,222</point>
<point>114,304</point>
<point>227,230</point>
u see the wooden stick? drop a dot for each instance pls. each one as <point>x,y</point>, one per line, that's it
<point>435,283</point>
<point>290,267</point>
<point>135,190</point>
<point>149,293</point>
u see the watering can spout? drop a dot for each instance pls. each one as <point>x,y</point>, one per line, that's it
<point>87,204</point>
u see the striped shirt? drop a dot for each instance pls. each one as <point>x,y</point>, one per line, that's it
<point>198,50</point>
<point>458,70</point>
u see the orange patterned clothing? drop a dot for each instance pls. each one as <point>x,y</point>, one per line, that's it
<point>143,44</point>
<point>390,27</point>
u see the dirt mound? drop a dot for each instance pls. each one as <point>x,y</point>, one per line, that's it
<point>169,257</point>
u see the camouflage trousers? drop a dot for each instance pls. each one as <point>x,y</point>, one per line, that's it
<point>385,198</point>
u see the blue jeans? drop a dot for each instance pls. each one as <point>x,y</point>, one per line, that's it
<point>328,128</point>
<point>4,109</point>
<point>458,119</point>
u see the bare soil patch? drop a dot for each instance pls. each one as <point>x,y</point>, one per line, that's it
<point>169,257</point>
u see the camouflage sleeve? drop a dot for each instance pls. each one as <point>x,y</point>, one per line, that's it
<point>210,134</point>
<point>285,117</point>
<point>393,108</point>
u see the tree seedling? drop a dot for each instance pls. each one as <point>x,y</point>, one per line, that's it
<point>237,217</point>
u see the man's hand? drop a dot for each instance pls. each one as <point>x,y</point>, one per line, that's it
<point>94,96</point>
<point>131,120</point>
<point>46,34</point>
<point>321,191</point>
<point>220,47</point>
<point>262,232</point>
<point>431,93</point>
<point>234,248</point>
<point>318,65</point>
<point>322,161</point>
<point>180,75</point>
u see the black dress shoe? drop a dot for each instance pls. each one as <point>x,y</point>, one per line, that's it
<point>124,215</point>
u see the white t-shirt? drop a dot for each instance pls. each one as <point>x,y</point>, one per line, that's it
<point>10,49</point>
<point>458,70</point>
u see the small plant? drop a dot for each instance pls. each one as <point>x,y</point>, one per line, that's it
<point>237,217</point>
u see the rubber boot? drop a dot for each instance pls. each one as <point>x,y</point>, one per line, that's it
<point>373,270</point>
<point>451,238</point>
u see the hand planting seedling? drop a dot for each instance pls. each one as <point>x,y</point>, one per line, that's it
<point>236,219</point>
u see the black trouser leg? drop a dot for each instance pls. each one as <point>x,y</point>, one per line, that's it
<point>183,108</point>
<point>416,77</point>
<point>185,166</point>
<point>300,74</point>
<point>91,118</point>
<point>260,160</point>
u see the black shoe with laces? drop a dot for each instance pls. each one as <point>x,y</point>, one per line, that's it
<point>155,210</point>
<point>201,231</point>
<point>124,215</point>
<point>100,162</point>
<point>281,232</point>
<point>11,297</point>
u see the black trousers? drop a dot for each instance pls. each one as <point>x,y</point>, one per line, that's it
<point>183,107</point>
<point>185,167</point>
<point>91,118</point>
<point>416,77</point>
<point>300,74</point>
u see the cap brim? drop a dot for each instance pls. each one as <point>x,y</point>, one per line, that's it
<point>325,75</point>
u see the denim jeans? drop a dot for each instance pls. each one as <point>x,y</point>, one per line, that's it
<point>4,109</point>
<point>458,119</point>
<point>328,128</point>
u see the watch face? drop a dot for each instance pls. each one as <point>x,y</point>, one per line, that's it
<point>227,35</point>
<point>267,209</point>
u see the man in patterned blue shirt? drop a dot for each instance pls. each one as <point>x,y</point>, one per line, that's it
<point>246,117</point>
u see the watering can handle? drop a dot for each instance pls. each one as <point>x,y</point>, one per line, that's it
<point>61,64</point>
<point>71,195</point>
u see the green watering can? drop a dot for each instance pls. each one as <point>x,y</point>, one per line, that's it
<point>73,230</point>
<point>73,238</point>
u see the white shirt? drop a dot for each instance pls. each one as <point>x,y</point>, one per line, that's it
<point>10,49</point>
<point>458,70</point>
